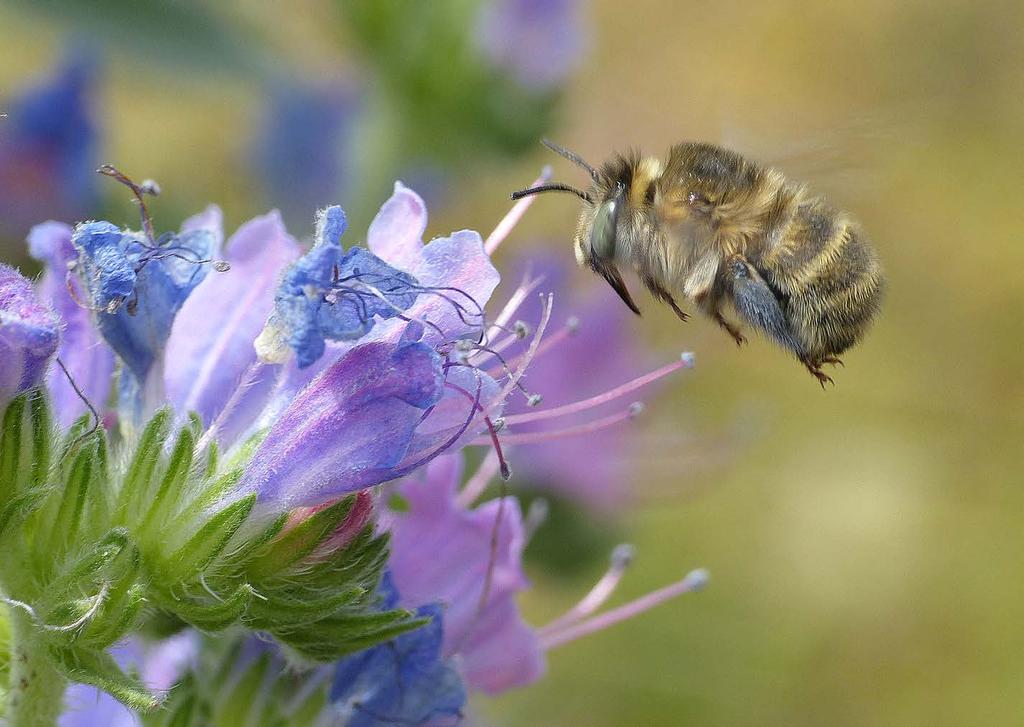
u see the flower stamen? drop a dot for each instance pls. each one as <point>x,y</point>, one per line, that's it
<point>693,581</point>
<point>575,407</point>
<point>621,558</point>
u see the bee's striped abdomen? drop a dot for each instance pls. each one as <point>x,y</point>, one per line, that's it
<point>829,276</point>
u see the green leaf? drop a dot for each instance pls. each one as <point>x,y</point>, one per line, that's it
<point>191,559</point>
<point>99,669</point>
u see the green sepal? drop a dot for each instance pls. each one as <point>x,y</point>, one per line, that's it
<point>135,492</point>
<point>172,485</point>
<point>81,482</point>
<point>42,434</point>
<point>116,618</point>
<point>98,669</point>
<point>299,541</point>
<point>214,615</point>
<point>184,521</point>
<point>192,558</point>
<point>11,445</point>
<point>22,505</point>
<point>103,554</point>
<point>363,560</point>
<point>279,611</point>
<point>329,640</point>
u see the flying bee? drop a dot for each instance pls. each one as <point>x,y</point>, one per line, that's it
<point>720,230</point>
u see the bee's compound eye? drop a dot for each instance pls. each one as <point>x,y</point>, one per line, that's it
<point>602,234</point>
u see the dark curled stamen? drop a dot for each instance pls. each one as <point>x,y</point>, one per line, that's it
<point>92,410</point>
<point>139,192</point>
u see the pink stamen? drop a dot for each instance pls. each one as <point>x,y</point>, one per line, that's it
<point>510,220</point>
<point>694,581</point>
<point>621,559</point>
<point>476,484</point>
<point>588,428</point>
<point>611,395</point>
<point>527,286</point>
<point>536,515</point>
<point>513,380</point>
<point>550,342</point>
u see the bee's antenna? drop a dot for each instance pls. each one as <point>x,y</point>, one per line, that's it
<point>571,156</point>
<point>556,187</point>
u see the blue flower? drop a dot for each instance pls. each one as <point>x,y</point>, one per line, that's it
<point>329,294</point>
<point>29,335</point>
<point>48,154</point>
<point>405,681</point>
<point>136,285</point>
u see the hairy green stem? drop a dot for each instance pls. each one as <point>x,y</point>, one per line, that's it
<point>36,691</point>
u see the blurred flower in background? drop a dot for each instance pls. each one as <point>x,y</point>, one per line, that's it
<point>303,149</point>
<point>538,42</point>
<point>48,148</point>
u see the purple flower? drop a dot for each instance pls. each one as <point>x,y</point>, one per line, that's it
<point>207,355</point>
<point>48,153</point>
<point>441,552</point>
<point>409,401</point>
<point>539,42</point>
<point>405,681</point>
<point>470,560</point>
<point>350,428</point>
<point>305,134</point>
<point>87,357</point>
<point>29,335</point>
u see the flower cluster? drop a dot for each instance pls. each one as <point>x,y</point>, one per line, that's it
<point>230,473</point>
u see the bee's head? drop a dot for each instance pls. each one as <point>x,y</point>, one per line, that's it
<point>597,230</point>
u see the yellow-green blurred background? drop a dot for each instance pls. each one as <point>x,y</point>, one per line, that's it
<point>866,543</point>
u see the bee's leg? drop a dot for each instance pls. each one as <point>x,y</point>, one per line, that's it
<point>665,297</point>
<point>732,330</point>
<point>831,360</point>
<point>815,368</point>
<point>757,305</point>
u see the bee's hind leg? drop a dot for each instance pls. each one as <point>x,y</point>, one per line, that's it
<point>757,305</point>
<point>815,368</point>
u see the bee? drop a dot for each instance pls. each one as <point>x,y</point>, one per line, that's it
<point>722,231</point>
